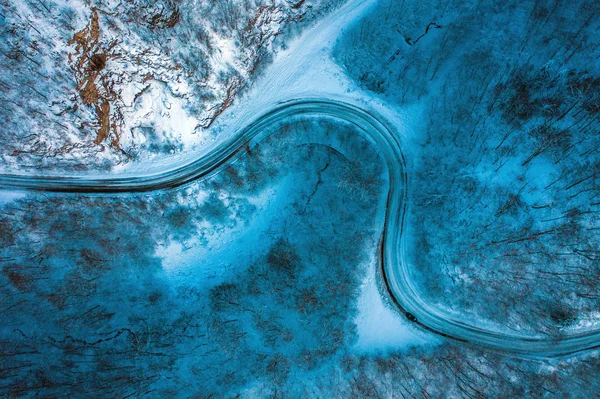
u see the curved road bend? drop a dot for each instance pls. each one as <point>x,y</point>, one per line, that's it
<point>395,269</point>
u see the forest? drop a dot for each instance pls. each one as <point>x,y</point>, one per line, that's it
<point>93,85</point>
<point>504,159</point>
<point>256,279</point>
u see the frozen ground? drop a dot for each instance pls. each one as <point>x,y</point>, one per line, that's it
<point>261,273</point>
<point>86,287</point>
<point>175,307</point>
<point>380,327</point>
<point>305,68</point>
<point>91,85</point>
<point>502,159</point>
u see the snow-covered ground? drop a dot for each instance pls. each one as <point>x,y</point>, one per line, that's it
<point>306,69</point>
<point>212,257</point>
<point>501,151</point>
<point>7,196</point>
<point>89,85</point>
<point>380,327</point>
<point>117,288</point>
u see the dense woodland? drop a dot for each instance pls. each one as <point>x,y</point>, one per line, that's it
<point>245,284</point>
<point>504,153</point>
<point>90,307</point>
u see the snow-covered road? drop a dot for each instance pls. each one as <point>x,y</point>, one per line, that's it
<point>395,270</point>
<point>304,80</point>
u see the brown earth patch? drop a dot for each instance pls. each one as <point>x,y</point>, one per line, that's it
<point>94,87</point>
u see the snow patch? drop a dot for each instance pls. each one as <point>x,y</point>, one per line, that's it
<point>379,327</point>
<point>6,197</point>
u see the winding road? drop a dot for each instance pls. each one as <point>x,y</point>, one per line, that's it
<point>396,272</point>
